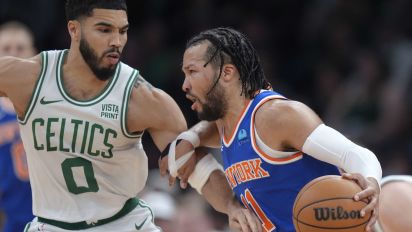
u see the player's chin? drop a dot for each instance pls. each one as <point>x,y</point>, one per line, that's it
<point>109,66</point>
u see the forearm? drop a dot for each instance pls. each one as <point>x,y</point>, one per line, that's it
<point>218,193</point>
<point>328,145</point>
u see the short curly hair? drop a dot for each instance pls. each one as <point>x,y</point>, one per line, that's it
<point>80,8</point>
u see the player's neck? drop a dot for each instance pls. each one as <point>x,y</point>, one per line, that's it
<point>236,107</point>
<point>79,80</point>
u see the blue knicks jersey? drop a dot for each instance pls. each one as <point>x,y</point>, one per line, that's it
<point>15,192</point>
<point>264,183</point>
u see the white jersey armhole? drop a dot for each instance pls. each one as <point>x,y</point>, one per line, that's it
<point>269,151</point>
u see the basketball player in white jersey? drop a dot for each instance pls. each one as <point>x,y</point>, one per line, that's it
<point>395,205</point>
<point>82,114</point>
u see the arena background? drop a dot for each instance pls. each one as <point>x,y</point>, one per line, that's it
<point>350,60</point>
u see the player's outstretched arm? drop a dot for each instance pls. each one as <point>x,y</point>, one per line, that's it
<point>17,80</point>
<point>299,128</point>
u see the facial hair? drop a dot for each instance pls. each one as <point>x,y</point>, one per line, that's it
<point>91,58</point>
<point>215,105</point>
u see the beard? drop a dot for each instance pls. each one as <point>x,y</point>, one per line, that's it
<point>91,58</point>
<point>215,105</point>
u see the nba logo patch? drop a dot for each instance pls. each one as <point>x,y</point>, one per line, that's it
<point>242,136</point>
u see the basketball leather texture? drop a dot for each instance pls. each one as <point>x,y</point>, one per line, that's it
<point>326,204</point>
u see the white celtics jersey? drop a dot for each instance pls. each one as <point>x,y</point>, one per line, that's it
<point>83,163</point>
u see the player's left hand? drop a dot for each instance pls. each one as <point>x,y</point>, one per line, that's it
<point>370,192</point>
<point>183,172</point>
<point>242,219</point>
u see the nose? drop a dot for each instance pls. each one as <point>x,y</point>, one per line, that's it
<point>186,85</point>
<point>115,41</point>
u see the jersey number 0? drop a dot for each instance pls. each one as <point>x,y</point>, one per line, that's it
<point>71,165</point>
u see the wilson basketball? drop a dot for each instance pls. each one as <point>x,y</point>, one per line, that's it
<point>326,204</point>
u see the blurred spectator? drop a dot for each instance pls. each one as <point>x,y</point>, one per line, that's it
<point>15,192</point>
<point>355,105</point>
<point>192,214</point>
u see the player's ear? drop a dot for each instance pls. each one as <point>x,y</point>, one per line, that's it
<point>74,29</point>
<point>229,72</point>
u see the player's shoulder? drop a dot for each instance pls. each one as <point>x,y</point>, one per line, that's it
<point>283,113</point>
<point>145,92</point>
<point>282,107</point>
<point>149,99</point>
<point>148,106</point>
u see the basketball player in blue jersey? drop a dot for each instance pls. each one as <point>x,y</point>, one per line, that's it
<point>271,146</point>
<point>15,193</point>
<point>81,115</point>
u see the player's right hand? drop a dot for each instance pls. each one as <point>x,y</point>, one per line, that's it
<point>370,192</point>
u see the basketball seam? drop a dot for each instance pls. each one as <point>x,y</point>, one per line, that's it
<point>307,186</point>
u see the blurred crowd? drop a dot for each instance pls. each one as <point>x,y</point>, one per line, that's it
<point>349,60</point>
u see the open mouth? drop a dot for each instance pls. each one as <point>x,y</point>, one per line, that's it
<point>195,101</point>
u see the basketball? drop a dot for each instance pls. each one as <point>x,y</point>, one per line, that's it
<point>326,203</point>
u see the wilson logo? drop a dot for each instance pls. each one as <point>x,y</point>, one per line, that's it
<point>338,213</point>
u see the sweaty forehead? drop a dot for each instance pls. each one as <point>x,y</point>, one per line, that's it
<point>117,18</point>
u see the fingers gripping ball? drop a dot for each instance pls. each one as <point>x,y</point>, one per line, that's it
<point>326,204</point>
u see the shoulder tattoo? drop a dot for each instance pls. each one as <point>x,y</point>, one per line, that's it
<point>141,81</point>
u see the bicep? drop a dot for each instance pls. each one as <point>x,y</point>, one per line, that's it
<point>285,124</point>
<point>302,121</point>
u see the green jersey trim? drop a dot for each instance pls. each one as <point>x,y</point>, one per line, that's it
<point>26,228</point>
<point>143,204</point>
<point>130,205</point>
<point>92,101</point>
<point>126,97</point>
<point>36,91</point>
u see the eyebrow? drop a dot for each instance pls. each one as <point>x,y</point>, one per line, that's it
<point>111,25</point>
<point>187,67</point>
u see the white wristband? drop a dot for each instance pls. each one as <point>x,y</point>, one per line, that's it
<point>174,164</point>
<point>190,136</point>
<point>202,171</point>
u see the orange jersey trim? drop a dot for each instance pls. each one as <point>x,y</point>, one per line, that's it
<point>228,141</point>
